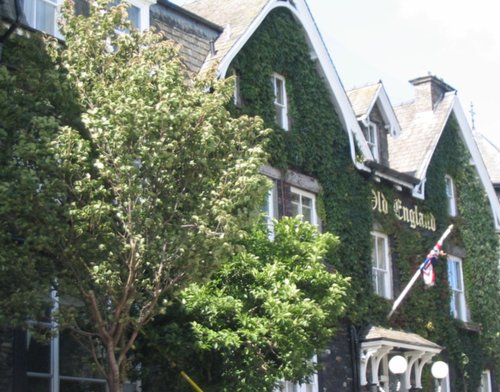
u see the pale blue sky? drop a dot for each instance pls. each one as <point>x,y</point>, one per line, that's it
<point>398,40</point>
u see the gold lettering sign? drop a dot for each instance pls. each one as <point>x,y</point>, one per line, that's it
<point>411,215</point>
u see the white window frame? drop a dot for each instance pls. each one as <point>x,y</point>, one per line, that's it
<point>371,136</point>
<point>54,376</point>
<point>458,305</point>
<point>280,101</point>
<point>31,17</point>
<point>300,206</point>
<point>451,195</point>
<point>143,7</point>
<point>386,271</point>
<point>237,89</point>
<point>313,386</point>
<point>270,211</point>
<point>485,382</point>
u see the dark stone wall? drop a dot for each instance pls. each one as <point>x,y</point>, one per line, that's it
<point>336,374</point>
<point>6,360</point>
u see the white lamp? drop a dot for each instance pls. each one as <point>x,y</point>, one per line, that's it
<point>398,365</point>
<point>439,370</point>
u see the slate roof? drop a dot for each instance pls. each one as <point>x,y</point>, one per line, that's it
<point>394,336</point>
<point>491,157</point>
<point>362,98</point>
<point>411,151</point>
<point>235,16</point>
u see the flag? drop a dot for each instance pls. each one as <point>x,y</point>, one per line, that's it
<point>427,266</point>
<point>428,272</point>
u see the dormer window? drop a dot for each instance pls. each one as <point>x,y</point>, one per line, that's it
<point>280,101</point>
<point>450,194</point>
<point>372,139</point>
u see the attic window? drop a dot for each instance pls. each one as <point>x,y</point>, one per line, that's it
<point>450,194</point>
<point>372,139</point>
<point>280,101</point>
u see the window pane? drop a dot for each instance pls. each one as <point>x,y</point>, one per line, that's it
<point>307,214</point>
<point>38,355</point>
<point>295,205</point>
<point>45,17</point>
<point>37,384</point>
<point>279,115</point>
<point>29,11</point>
<point>81,386</point>
<point>134,14</point>
<point>381,263</point>
<point>74,359</point>
<point>279,91</point>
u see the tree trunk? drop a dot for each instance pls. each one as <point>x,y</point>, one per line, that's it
<point>113,376</point>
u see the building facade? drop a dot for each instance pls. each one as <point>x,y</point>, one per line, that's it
<point>388,180</point>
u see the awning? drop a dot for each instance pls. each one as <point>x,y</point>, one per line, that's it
<point>379,344</point>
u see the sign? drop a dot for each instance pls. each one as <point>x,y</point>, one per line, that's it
<point>411,215</point>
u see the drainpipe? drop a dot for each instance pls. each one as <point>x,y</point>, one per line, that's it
<point>11,28</point>
<point>354,357</point>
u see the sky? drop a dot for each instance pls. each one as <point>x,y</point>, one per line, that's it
<point>398,40</point>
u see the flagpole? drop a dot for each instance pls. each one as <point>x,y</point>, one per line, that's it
<point>434,251</point>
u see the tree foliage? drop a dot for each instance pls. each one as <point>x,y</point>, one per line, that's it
<point>260,319</point>
<point>143,195</point>
<point>34,102</point>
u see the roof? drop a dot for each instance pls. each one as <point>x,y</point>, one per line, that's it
<point>491,156</point>
<point>363,100</point>
<point>241,19</point>
<point>411,151</point>
<point>397,338</point>
<point>235,16</point>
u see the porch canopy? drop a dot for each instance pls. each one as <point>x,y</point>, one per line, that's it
<point>379,344</point>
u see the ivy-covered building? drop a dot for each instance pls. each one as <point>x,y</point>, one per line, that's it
<point>387,180</point>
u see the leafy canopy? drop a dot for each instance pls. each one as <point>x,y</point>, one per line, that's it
<point>260,319</point>
<point>147,188</point>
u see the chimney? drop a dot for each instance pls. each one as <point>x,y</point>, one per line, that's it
<point>429,91</point>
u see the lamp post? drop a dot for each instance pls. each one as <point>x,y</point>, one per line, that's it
<point>398,365</point>
<point>439,371</point>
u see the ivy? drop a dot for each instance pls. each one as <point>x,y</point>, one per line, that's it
<point>318,146</point>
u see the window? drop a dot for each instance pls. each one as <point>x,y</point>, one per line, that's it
<point>138,13</point>
<point>287,386</point>
<point>372,139</point>
<point>303,204</point>
<point>455,278</point>
<point>280,101</point>
<point>311,386</point>
<point>42,15</point>
<point>450,194</point>
<point>485,382</point>
<point>237,90</point>
<point>269,211</point>
<point>60,364</point>
<point>381,266</point>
